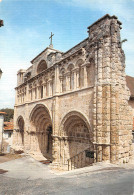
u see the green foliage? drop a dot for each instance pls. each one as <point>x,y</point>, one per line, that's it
<point>9,115</point>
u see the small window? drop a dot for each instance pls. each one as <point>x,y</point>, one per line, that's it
<point>41,91</point>
<point>9,135</point>
<point>35,93</point>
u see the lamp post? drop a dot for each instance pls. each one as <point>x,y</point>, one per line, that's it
<point>1,23</point>
<point>0,73</point>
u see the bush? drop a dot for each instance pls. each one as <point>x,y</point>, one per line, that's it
<point>9,115</point>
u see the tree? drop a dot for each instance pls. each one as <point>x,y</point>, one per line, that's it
<point>9,115</point>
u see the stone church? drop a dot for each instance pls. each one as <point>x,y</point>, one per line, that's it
<point>72,108</point>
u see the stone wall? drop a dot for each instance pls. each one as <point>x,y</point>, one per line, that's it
<point>112,114</point>
<point>82,98</point>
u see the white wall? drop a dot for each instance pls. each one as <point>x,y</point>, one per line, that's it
<point>1,127</point>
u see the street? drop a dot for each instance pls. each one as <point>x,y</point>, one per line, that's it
<point>97,180</point>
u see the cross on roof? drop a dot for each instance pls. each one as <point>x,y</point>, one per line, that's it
<point>51,39</point>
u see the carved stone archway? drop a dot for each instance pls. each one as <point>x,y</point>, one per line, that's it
<point>42,129</point>
<point>20,130</point>
<point>76,135</point>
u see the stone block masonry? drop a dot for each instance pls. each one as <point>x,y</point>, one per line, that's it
<point>73,102</point>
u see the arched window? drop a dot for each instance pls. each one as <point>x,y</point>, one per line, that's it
<point>42,66</point>
<point>21,128</point>
<point>63,79</point>
<point>41,91</point>
<point>70,68</point>
<point>35,92</point>
<point>81,72</point>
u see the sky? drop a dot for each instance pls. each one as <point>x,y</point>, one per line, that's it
<point>29,23</point>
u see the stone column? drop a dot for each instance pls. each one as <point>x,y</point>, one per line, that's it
<point>53,86</point>
<point>27,93</point>
<point>18,99</point>
<point>74,72</point>
<point>85,75</point>
<point>32,94</point>
<point>16,96</point>
<point>61,84</point>
<point>68,81</point>
<point>106,98</point>
<point>50,88</point>
<point>99,114</point>
<point>38,91</point>
<point>115,90</point>
<point>77,79</point>
<point>57,80</point>
<point>26,128</point>
<point>33,91</point>
<point>21,98</point>
<point>56,151</point>
<point>44,91</point>
<point>47,88</point>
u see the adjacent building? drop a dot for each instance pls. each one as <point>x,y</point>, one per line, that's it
<point>8,132</point>
<point>1,129</point>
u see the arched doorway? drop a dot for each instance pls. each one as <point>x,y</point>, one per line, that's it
<point>77,138</point>
<point>41,122</point>
<point>20,122</point>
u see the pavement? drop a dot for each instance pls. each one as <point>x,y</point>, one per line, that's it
<point>26,176</point>
<point>26,168</point>
<point>31,169</point>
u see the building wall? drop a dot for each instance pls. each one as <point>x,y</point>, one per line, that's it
<point>113,124</point>
<point>82,91</point>
<point>1,127</point>
<point>131,103</point>
<point>8,137</point>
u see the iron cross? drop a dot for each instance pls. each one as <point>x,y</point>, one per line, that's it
<point>51,38</point>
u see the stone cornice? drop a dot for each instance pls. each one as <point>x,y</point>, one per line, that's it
<point>57,95</point>
<point>75,46</point>
<point>74,54</point>
<point>36,77</point>
<point>32,61</point>
<point>51,68</point>
<point>102,18</point>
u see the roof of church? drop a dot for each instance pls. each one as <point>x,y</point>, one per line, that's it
<point>44,51</point>
<point>130,84</point>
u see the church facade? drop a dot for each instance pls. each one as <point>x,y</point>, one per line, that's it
<point>72,107</point>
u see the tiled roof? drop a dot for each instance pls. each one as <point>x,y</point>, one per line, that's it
<point>133,123</point>
<point>1,113</point>
<point>8,126</point>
